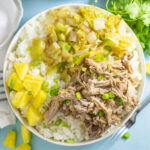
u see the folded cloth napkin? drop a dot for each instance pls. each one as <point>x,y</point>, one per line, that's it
<point>11,12</point>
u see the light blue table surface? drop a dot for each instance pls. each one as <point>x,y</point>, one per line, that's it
<point>140,132</point>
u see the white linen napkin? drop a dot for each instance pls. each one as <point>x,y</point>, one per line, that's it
<point>11,12</point>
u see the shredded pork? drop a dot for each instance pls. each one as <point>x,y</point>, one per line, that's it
<point>116,79</point>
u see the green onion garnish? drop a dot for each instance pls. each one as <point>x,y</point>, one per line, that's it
<point>100,114</point>
<point>105,96</point>
<point>126,135</point>
<point>70,141</point>
<point>35,63</point>
<point>40,58</point>
<point>11,84</point>
<point>55,80</point>
<point>45,84</point>
<point>65,125</point>
<point>100,77</point>
<point>58,122</point>
<point>63,64</point>
<point>66,46</point>
<point>28,49</point>
<point>111,95</point>
<point>78,95</point>
<point>120,101</point>
<point>84,69</point>
<point>66,101</point>
<point>44,125</point>
<point>29,92</point>
<point>54,91</point>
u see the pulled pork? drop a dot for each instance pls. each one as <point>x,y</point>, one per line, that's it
<point>91,109</point>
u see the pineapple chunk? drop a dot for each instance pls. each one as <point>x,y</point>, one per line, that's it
<point>14,82</point>
<point>26,134</point>
<point>33,86</point>
<point>38,46</point>
<point>21,69</point>
<point>148,68</point>
<point>24,147</point>
<point>39,99</point>
<point>10,140</point>
<point>21,99</point>
<point>33,116</point>
<point>31,77</point>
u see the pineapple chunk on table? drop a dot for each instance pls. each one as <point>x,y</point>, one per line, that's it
<point>24,146</point>
<point>39,99</point>
<point>21,69</point>
<point>14,83</point>
<point>10,140</point>
<point>33,116</point>
<point>21,99</point>
<point>148,68</point>
<point>26,134</point>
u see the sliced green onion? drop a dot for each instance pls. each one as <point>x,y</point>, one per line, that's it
<point>120,101</point>
<point>100,58</point>
<point>126,135</point>
<point>28,49</point>
<point>61,69</point>
<point>70,141</point>
<point>78,95</point>
<point>84,69</point>
<point>100,114</point>
<point>54,91</point>
<point>63,64</point>
<point>55,80</point>
<point>29,92</point>
<point>95,1</point>
<point>45,84</point>
<point>40,58</point>
<point>66,46</point>
<point>100,77</point>
<point>44,125</point>
<point>105,96</point>
<point>66,101</point>
<point>111,95</point>
<point>11,84</point>
<point>65,125</point>
<point>35,63</point>
<point>58,122</point>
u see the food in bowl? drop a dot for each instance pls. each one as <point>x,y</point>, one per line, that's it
<point>74,73</point>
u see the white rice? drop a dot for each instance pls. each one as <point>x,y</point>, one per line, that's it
<point>34,29</point>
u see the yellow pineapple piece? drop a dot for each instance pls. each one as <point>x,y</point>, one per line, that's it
<point>26,134</point>
<point>32,77</point>
<point>10,140</point>
<point>33,116</point>
<point>14,83</point>
<point>21,99</point>
<point>39,99</point>
<point>24,147</point>
<point>21,69</point>
<point>31,85</point>
<point>148,68</point>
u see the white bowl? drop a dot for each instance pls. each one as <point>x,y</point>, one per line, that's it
<point>140,90</point>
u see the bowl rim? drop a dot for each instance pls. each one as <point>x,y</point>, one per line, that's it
<point>13,43</point>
